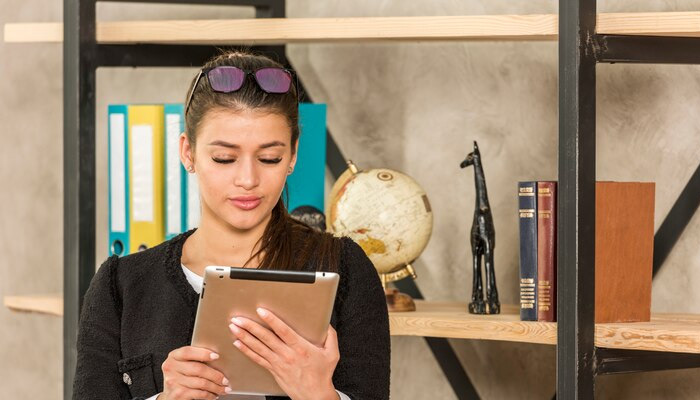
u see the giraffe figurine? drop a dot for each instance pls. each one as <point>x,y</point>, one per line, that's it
<point>483,241</point>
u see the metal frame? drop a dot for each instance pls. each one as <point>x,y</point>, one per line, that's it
<point>576,202</point>
<point>578,361</point>
<point>580,49</point>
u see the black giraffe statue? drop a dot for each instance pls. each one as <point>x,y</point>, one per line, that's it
<point>483,240</point>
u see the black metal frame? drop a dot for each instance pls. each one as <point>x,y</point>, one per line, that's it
<point>580,48</point>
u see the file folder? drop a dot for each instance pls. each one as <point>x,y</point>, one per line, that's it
<point>118,180</point>
<point>175,174</point>
<point>146,170</point>
<point>306,184</point>
<point>194,212</point>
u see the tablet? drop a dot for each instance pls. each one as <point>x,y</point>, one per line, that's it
<point>303,300</point>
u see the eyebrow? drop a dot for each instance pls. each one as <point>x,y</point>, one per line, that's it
<point>235,146</point>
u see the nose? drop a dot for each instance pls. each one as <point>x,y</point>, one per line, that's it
<point>246,175</point>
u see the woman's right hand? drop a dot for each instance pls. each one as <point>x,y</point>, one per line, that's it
<point>187,377</point>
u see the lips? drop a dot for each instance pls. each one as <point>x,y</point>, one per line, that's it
<point>246,202</point>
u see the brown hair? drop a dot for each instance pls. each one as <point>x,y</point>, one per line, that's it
<point>286,243</point>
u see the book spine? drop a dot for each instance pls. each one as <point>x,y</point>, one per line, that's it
<point>527,205</point>
<point>546,251</point>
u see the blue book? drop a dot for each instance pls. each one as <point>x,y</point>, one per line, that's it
<point>118,164</point>
<point>527,211</point>
<point>306,184</point>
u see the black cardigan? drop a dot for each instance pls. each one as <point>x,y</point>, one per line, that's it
<point>140,307</point>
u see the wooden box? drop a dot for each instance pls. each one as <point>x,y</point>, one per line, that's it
<point>624,251</point>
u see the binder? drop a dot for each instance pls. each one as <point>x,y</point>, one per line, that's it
<point>306,184</point>
<point>194,212</point>
<point>175,174</point>
<point>118,173</point>
<point>146,170</point>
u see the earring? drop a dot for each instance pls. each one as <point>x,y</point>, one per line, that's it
<point>190,169</point>
<point>289,170</point>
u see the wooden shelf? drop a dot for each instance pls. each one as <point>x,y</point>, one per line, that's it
<point>665,332</point>
<point>52,305</point>
<point>304,30</point>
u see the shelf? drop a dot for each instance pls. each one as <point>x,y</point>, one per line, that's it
<point>52,305</point>
<point>666,332</point>
<point>368,29</point>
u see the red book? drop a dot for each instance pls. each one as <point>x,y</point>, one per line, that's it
<point>546,251</point>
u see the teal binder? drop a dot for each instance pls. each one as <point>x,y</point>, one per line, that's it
<point>307,183</point>
<point>118,164</point>
<point>175,175</point>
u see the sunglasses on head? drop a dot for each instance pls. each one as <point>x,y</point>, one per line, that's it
<point>227,79</point>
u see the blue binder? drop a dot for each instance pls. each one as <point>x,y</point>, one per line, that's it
<point>306,184</point>
<point>175,174</point>
<point>118,180</point>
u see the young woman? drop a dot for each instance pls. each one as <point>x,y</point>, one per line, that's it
<point>138,314</point>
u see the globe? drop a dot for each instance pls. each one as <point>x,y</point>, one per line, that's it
<point>384,211</point>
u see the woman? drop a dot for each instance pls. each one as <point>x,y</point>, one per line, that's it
<point>138,314</point>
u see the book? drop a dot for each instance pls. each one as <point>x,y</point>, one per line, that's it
<point>546,251</point>
<point>527,208</point>
<point>624,246</point>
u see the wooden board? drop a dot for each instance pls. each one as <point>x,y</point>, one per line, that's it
<point>665,332</point>
<point>52,305</point>
<point>366,29</point>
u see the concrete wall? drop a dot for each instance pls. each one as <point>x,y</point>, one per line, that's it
<point>417,107</point>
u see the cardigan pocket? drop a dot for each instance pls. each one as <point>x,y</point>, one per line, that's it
<point>137,374</point>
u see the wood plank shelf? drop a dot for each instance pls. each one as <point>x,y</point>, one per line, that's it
<point>665,332</point>
<point>364,29</point>
<point>52,305</point>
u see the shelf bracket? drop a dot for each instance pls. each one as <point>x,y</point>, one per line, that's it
<point>619,361</point>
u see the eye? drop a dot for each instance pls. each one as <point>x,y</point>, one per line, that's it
<point>223,160</point>
<point>270,160</point>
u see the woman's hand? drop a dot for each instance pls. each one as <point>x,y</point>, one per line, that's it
<point>303,370</point>
<point>187,377</point>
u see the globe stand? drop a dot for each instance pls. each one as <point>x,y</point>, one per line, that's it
<point>395,300</point>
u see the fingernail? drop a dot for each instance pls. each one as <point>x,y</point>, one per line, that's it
<point>225,381</point>
<point>234,328</point>
<point>214,356</point>
<point>228,390</point>
<point>261,312</point>
<point>236,321</point>
<point>237,343</point>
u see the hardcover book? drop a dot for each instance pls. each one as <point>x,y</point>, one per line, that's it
<point>527,204</point>
<point>546,251</point>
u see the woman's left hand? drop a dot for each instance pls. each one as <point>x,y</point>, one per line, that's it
<point>302,369</point>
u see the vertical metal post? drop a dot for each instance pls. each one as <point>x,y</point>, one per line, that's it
<point>576,216</point>
<point>79,52</point>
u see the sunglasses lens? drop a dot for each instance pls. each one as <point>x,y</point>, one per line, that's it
<point>226,79</point>
<point>274,80</point>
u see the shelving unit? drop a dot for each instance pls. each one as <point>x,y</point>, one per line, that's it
<point>585,38</point>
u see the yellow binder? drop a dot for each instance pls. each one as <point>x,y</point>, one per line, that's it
<point>146,169</point>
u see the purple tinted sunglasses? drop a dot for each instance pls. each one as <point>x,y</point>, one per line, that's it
<point>227,79</point>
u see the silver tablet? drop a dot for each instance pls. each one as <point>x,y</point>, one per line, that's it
<point>303,300</point>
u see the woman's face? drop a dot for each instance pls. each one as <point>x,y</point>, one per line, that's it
<point>242,160</point>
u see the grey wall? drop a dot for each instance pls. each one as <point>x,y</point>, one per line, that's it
<point>416,107</point>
